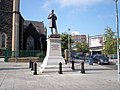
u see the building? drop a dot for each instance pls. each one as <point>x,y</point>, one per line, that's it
<point>96,44</point>
<point>16,33</point>
<point>77,38</point>
<point>34,36</point>
<point>6,23</point>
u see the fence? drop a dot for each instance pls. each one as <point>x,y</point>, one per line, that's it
<point>22,53</point>
<point>2,53</point>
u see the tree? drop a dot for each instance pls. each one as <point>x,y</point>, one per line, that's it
<point>82,47</point>
<point>110,42</point>
<point>64,41</point>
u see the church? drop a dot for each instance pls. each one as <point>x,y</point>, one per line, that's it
<point>18,34</point>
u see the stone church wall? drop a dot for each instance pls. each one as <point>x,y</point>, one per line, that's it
<point>6,7</point>
<point>6,15</point>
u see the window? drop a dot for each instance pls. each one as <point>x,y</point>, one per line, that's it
<point>30,43</point>
<point>4,40</point>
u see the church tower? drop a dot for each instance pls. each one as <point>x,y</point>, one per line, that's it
<point>15,27</point>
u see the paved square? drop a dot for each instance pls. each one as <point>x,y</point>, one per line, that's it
<point>17,76</point>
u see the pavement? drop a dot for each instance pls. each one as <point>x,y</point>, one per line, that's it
<point>18,76</point>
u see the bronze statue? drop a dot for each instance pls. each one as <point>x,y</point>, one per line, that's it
<point>53,19</point>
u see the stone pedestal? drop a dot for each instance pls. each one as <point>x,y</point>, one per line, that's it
<point>54,55</point>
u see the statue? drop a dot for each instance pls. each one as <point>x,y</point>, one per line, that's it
<point>53,19</point>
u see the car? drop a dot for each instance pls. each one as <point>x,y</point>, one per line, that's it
<point>100,59</point>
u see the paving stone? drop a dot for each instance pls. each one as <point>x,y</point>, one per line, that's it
<point>17,76</point>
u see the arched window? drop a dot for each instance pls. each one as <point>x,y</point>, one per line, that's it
<point>4,36</point>
<point>30,43</point>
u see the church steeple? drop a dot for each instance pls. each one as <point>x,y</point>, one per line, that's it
<point>15,27</point>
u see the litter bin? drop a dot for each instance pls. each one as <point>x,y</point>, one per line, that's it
<point>91,61</point>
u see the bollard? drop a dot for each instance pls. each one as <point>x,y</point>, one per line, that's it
<point>66,61</point>
<point>73,67</point>
<point>82,68</point>
<point>32,66</point>
<point>35,68</point>
<point>60,68</point>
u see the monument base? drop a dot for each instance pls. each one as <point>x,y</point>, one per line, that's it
<point>53,55</point>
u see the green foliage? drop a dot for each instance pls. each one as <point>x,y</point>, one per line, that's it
<point>110,42</point>
<point>64,41</point>
<point>82,47</point>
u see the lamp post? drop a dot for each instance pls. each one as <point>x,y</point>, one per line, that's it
<point>117,30</point>
<point>69,51</point>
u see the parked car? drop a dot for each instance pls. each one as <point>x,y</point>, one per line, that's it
<point>100,59</point>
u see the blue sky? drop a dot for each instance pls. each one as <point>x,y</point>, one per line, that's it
<point>85,16</point>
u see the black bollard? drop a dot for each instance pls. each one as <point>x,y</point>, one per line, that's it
<point>35,68</point>
<point>82,68</point>
<point>60,68</point>
<point>66,61</point>
<point>32,66</point>
<point>73,67</point>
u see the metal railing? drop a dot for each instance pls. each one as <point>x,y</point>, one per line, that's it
<point>22,53</point>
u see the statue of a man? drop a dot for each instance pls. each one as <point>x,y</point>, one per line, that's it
<point>53,19</point>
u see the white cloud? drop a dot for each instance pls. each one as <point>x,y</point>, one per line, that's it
<point>71,3</point>
<point>66,3</point>
<point>106,16</point>
<point>46,4</point>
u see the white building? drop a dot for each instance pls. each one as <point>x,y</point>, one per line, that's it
<point>96,44</point>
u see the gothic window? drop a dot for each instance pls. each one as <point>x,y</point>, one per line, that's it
<point>30,43</point>
<point>4,40</point>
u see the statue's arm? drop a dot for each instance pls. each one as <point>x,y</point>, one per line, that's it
<point>50,16</point>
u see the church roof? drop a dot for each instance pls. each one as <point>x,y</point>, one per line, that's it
<point>38,25</point>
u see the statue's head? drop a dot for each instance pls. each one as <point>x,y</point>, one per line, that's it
<point>52,10</point>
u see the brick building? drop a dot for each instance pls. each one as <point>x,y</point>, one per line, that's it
<point>78,38</point>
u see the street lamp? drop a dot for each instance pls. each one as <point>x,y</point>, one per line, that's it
<point>69,51</point>
<point>117,30</point>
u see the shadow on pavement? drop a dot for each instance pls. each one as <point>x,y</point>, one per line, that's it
<point>12,68</point>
